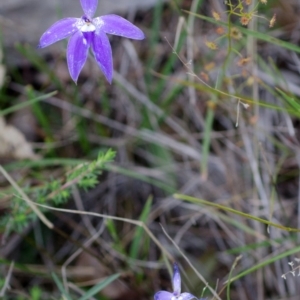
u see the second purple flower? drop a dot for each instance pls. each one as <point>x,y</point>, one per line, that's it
<point>176,295</point>
<point>89,32</point>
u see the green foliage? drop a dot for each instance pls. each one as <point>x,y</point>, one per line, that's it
<point>56,192</point>
<point>35,293</point>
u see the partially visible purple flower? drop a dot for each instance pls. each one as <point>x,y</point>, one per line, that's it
<point>176,295</point>
<point>89,32</point>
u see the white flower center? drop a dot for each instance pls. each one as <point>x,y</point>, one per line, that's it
<point>88,27</point>
<point>85,25</point>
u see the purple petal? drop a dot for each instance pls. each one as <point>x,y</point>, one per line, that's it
<point>77,52</point>
<point>103,54</point>
<point>176,280</point>
<point>58,31</point>
<point>113,24</point>
<point>163,295</point>
<point>89,7</point>
<point>187,296</point>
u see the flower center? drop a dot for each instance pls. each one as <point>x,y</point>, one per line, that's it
<point>176,297</point>
<point>87,25</point>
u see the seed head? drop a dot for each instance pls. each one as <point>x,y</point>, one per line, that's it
<point>216,15</point>
<point>204,76</point>
<point>245,19</point>
<point>220,30</point>
<point>243,61</point>
<point>211,45</point>
<point>235,33</point>
<point>272,21</point>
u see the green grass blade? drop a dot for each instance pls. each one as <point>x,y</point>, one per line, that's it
<point>40,115</point>
<point>290,100</point>
<point>60,286</point>
<point>153,40</point>
<point>237,212</point>
<point>263,244</point>
<point>139,233</point>
<point>265,263</point>
<point>206,141</point>
<point>98,287</point>
<point>208,129</point>
<point>112,229</point>
<point>19,106</point>
<point>210,90</point>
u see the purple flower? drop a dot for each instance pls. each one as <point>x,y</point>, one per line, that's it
<point>176,295</point>
<point>88,31</point>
